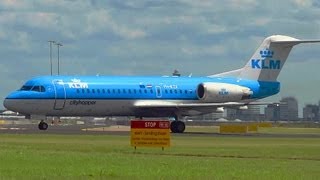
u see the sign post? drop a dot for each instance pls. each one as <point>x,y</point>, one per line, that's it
<point>155,133</point>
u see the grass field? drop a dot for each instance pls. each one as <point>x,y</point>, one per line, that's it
<point>44,156</point>
<point>274,130</point>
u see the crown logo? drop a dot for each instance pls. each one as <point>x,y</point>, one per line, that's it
<point>75,80</point>
<point>266,53</point>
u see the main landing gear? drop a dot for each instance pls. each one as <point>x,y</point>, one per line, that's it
<point>43,125</point>
<point>177,126</point>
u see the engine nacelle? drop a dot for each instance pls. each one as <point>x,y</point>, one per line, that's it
<point>222,92</point>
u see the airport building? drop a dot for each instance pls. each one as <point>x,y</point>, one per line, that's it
<point>311,112</point>
<point>250,114</point>
<point>207,117</point>
<point>289,109</point>
<point>272,112</point>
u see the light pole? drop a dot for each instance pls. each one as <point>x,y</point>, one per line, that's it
<point>51,55</point>
<point>58,45</point>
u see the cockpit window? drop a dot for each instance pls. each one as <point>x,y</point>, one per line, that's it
<point>25,88</point>
<point>33,88</point>
<point>38,89</point>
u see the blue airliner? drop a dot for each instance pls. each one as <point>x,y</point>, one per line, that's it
<point>165,96</point>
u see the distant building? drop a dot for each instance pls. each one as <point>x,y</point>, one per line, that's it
<point>250,114</point>
<point>212,116</point>
<point>311,112</point>
<point>208,117</point>
<point>272,112</point>
<point>231,113</point>
<point>289,109</point>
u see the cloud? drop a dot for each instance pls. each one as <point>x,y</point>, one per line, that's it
<point>14,4</point>
<point>22,41</point>
<point>147,37</point>
<point>213,50</point>
<point>101,20</point>
<point>303,3</point>
<point>41,20</point>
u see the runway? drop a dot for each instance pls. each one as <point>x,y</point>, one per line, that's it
<point>62,129</point>
<point>122,130</point>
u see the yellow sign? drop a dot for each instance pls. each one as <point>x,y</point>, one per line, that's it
<point>150,137</point>
<point>233,128</point>
<point>265,124</point>
<point>150,133</point>
<point>253,127</point>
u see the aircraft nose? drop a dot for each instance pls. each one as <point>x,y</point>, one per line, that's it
<point>8,102</point>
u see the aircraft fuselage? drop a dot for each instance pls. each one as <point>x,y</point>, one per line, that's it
<point>116,96</point>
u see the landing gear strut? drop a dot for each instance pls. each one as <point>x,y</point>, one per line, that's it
<point>177,126</point>
<point>43,125</point>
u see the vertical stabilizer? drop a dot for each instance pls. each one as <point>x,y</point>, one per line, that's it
<point>268,60</point>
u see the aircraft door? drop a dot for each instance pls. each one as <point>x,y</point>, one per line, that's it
<point>158,92</point>
<point>60,94</point>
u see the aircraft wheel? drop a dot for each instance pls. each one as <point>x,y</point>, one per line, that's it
<point>173,127</point>
<point>43,125</point>
<point>180,127</point>
<point>177,126</point>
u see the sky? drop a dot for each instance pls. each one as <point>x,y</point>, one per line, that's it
<point>154,37</point>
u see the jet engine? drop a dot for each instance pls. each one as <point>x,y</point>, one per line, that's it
<point>222,92</point>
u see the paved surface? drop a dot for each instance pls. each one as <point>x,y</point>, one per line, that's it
<point>119,130</point>
<point>60,129</point>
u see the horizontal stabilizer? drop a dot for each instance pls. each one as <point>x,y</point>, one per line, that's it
<point>296,42</point>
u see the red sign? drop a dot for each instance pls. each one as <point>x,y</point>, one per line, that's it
<point>154,124</point>
<point>150,133</point>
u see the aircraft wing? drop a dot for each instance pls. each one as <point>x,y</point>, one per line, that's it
<point>172,104</point>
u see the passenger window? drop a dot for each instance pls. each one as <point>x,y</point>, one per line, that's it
<point>166,91</point>
<point>124,91</point>
<point>88,90</point>
<point>93,91</point>
<point>135,91</point>
<point>180,91</point>
<point>175,91</point>
<point>151,91</point>
<point>185,91</point>
<point>103,91</point>
<point>98,90</point>
<point>83,91</point>
<point>78,91</point>
<point>129,91</point>
<point>119,91</point>
<point>171,91</point>
<point>145,91</point>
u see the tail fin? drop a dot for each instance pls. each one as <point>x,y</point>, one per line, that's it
<point>268,60</point>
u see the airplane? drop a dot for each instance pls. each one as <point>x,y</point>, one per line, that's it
<point>156,96</point>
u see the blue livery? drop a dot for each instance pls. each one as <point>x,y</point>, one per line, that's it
<point>154,96</point>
